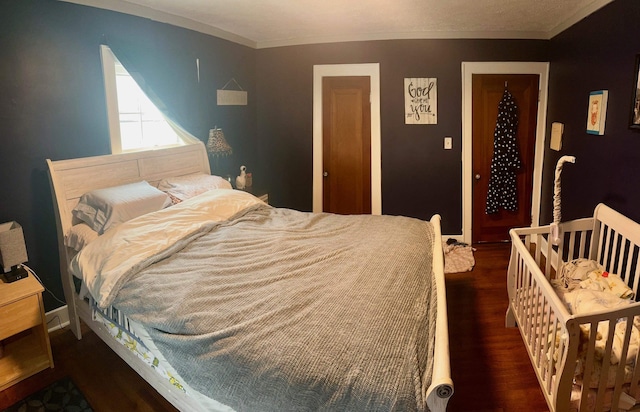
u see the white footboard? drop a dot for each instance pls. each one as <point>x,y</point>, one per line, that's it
<point>441,388</point>
<point>567,351</point>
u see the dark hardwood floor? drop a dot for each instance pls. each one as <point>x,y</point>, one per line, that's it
<point>107,382</point>
<point>489,365</point>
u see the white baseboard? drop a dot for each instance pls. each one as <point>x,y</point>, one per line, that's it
<point>57,318</point>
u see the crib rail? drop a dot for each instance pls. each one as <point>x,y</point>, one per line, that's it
<point>617,248</point>
<point>542,318</point>
<point>562,347</point>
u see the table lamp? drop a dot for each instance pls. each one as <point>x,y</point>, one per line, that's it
<point>217,146</point>
<point>13,251</point>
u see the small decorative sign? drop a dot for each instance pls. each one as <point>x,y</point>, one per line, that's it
<point>597,112</point>
<point>421,101</point>
<point>232,97</point>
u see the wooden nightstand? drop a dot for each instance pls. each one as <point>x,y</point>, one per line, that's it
<point>23,331</point>
<point>259,193</point>
<point>264,197</point>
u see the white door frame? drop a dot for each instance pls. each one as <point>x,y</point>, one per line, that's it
<point>367,69</point>
<point>468,69</point>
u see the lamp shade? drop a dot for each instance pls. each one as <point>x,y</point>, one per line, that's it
<point>217,145</point>
<point>13,250</point>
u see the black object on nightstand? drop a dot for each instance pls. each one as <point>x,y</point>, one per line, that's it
<point>13,251</point>
<point>17,272</point>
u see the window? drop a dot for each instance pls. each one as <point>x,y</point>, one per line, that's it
<point>135,123</point>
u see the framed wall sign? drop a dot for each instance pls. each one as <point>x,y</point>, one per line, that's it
<point>634,118</point>
<point>597,111</point>
<point>421,101</point>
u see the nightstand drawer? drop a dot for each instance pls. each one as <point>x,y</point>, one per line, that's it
<point>18,316</point>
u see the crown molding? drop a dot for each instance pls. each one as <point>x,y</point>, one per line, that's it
<point>162,17</point>
<point>577,16</point>
<point>126,7</point>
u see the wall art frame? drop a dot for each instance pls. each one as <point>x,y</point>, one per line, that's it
<point>597,112</point>
<point>420,100</point>
<point>634,115</point>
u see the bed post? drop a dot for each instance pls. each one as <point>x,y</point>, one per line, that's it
<point>509,318</point>
<point>59,207</point>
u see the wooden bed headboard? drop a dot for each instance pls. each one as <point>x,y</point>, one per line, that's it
<point>70,179</point>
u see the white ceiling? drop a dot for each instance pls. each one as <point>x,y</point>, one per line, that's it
<point>273,23</point>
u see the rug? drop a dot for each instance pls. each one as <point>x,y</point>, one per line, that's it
<point>61,396</point>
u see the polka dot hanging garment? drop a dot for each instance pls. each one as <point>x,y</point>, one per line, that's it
<point>506,160</point>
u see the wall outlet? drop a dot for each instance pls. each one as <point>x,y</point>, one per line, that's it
<point>448,143</point>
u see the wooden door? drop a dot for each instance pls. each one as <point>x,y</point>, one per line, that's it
<point>488,90</point>
<point>346,152</point>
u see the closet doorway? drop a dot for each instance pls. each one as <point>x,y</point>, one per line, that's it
<point>371,71</point>
<point>346,171</point>
<point>471,206</point>
<point>488,91</point>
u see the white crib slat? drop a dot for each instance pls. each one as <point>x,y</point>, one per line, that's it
<point>530,298</point>
<point>539,332</point>
<point>633,390</point>
<point>588,366</point>
<point>623,267</point>
<point>551,369</point>
<point>533,316</point>
<point>549,254</point>
<point>604,247</point>
<point>521,291</point>
<point>604,372</point>
<point>527,303</point>
<point>538,250</point>
<point>559,254</point>
<point>596,242</point>
<point>637,273</point>
<point>620,371</point>
<point>613,265</point>
<point>572,245</point>
<point>583,244</point>
<point>541,349</point>
<point>632,269</point>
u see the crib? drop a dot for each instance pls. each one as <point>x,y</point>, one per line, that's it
<point>571,357</point>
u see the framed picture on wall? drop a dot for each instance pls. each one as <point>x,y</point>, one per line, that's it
<point>634,119</point>
<point>597,112</point>
<point>420,101</point>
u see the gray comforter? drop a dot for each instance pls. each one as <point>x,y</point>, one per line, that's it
<point>278,310</point>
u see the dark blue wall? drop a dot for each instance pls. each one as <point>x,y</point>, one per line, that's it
<point>597,53</point>
<point>52,102</point>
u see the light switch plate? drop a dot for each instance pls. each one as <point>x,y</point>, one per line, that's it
<point>448,143</point>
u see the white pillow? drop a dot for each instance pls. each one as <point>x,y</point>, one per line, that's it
<point>79,236</point>
<point>184,187</point>
<point>103,209</point>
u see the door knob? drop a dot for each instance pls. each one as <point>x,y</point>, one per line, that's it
<point>325,174</point>
<point>477,176</point>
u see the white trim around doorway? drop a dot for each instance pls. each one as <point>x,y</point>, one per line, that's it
<point>468,70</point>
<point>366,69</point>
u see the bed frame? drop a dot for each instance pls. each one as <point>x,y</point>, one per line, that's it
<point>612,240</point>
<point>72,178</point>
